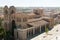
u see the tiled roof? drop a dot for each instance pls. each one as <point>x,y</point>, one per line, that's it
<point>32,20</point>
<point>19,15</point>
<point>38,23</point>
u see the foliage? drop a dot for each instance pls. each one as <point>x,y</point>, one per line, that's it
<point>1,29</point>
<point>46,30</point>
<point>7,36</point>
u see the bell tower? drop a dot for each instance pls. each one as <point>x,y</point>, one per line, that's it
<point>5,12</point>
<point>12,10</point>
<point>5,9</point>
<point>39,11</point>
<point>8,16</point>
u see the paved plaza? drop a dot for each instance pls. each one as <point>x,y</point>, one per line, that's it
<point>53,34</point>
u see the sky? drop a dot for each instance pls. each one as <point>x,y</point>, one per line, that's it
<point>30,3</point>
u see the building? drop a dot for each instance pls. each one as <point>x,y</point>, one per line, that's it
<point>23,26</point>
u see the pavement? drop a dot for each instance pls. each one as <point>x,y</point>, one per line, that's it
<point>53,34</point>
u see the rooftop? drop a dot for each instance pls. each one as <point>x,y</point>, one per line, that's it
<point>38,23</point>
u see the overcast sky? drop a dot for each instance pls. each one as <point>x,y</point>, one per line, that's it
<point>31,3</point>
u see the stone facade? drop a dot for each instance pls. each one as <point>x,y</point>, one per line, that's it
<point>24,28</point>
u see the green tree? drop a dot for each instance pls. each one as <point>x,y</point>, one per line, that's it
<point>1,29</point>
<point>46,30</point>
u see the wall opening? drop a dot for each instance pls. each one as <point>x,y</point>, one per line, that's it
<point>13,27</point>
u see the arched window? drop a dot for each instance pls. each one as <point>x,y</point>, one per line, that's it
<point>6,9</point>
<point>19,19</point>
<point>13,24</point>
<point>24,19</point>
<point>12,11</point>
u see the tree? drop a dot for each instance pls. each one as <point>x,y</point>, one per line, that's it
<point>46,30</point>
<point>1,30</point>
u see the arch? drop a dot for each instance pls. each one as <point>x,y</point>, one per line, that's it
<point>6,9</point>
<point>12,9</point>
<point>13,27</point>
<point>13,23</point>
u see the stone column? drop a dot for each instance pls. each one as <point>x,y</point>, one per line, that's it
<point>15,33</point>
<point>40,29</point>
<point>22,34</point>
<point>58,21</point>
<point>28,33</point>
<point>33,30</point>
<point>45,26</point>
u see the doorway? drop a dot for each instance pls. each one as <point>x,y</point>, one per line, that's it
<point>13,27</point>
